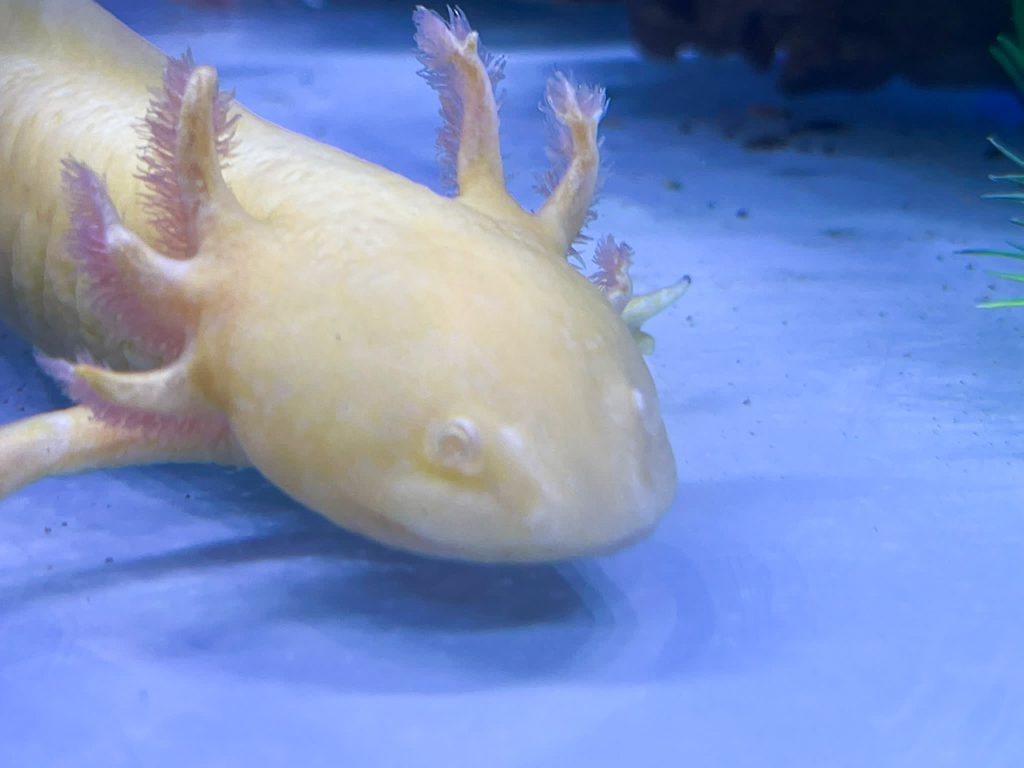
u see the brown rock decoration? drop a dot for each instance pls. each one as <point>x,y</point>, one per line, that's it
<point>834,43</point>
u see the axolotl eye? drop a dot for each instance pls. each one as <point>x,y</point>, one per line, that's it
<point>456,446</point>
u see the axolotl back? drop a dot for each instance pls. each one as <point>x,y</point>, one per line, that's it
<point>428,370</point>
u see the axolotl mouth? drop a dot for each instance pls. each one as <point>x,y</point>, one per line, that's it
<point>426,514</point>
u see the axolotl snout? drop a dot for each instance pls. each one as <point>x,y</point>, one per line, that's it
<point>430,371</point>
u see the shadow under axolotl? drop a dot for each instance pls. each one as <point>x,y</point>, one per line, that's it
<point>258,586</point>
<point>303,601</point>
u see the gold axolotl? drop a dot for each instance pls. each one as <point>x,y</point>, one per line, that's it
<point>431,371</point>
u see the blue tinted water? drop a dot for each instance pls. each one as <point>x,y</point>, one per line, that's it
<point>838,583</point>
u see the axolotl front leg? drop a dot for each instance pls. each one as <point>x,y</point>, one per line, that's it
<point>466,78</point>
<point>159,415</point>
<point>74,439</point>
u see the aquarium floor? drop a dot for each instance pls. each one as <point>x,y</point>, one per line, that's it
<point>839,582</point>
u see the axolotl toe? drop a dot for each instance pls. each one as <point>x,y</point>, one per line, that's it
<point>431,371</point>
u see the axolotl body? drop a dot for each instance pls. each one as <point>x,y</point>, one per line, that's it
<point>428,370</point>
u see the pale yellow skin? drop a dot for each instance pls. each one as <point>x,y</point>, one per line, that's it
<point>429,371</point>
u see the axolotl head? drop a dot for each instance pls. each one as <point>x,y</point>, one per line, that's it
<point>435,373</point>
<point>457,394</point>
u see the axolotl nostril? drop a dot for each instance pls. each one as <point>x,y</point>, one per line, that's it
<point>431,371</point>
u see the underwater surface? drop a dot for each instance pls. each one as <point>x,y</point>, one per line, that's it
<point>838,582</point>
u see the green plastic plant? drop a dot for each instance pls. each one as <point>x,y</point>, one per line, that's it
<point>1008,50</point>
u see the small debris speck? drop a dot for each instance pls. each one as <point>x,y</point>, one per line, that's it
<point>769,112</point>
<point>840,233</point>
<point>47,529</point>
<point>821,125</point>
<point>742,213</point>
<point>109,560</point>
<point>766,142</point>
<point>673,185</point>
